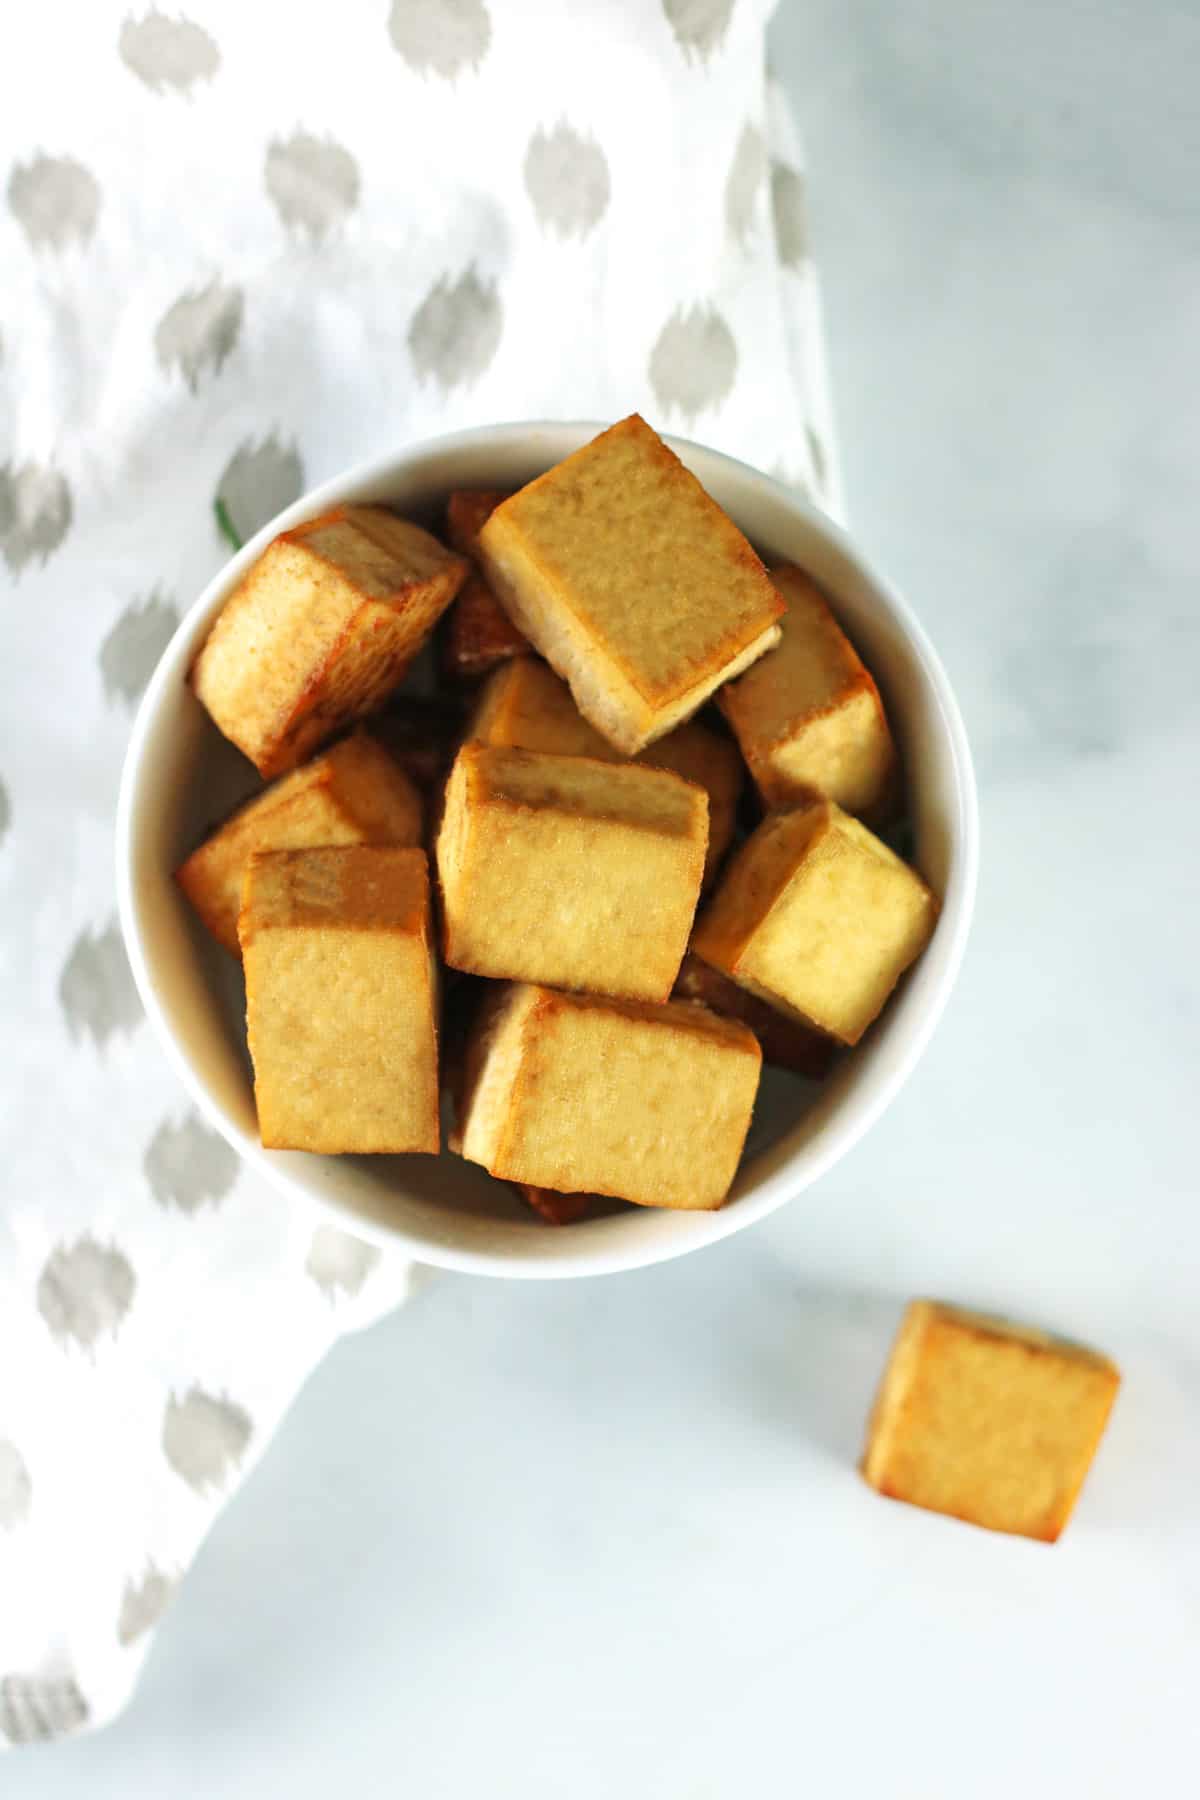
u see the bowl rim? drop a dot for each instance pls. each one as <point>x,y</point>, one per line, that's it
<point>841,1134</point>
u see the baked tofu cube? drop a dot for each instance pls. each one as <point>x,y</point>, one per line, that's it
<point>477,634</point>
<point>786,1042</point>
<point>632,582</point>
<point>817,917</point>
<point>341,999</point>
<point>585,1095</point>
<point>320,630</point>
<point>467,512</point>
<point>353,794</point>
<point>987,1421</point>
<point>808,716</point>
<point>577,873</point>
<point>525,706</point>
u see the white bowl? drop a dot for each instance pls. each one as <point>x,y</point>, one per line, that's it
<point>180,775</point>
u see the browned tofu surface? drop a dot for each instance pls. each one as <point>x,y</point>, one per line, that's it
<point>815,915</point>
<point>320,630</point>
<point>569,871</point>
<point>585,1095</point>
<point>341,999</point>
<point>477,634</point>
<point>467,512</point>
<point>712,762</point>
<point>632,582</point>
<point>354,794</point>
<point>808,715</point>
<point>552,1208</point>
<point>526,706</point>
<point>987,1421</point>
<point>786,1042</point>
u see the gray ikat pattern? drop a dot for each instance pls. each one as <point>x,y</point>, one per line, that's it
<point>435,214</point>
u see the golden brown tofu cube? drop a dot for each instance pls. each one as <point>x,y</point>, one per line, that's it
<point>990,1422</point>
<point>586,1095</point>
<point>477,634</point>
<point>560,869</point>
<point>353,794</point>
<point>808,716</point>
<point>467,512</point>
<point>341,999</point>
<point>786,1042</point>
<point>526,706</point>
<point>632,582</point>
<point>818,917</point>
<point>320,631</point>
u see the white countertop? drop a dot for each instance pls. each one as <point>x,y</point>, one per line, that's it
<point>607,1538</point>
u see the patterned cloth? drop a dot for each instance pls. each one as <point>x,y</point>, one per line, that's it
<point>234,259</point>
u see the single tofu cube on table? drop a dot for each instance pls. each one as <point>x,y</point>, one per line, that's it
<point>353,794</point>
<point>587,1095</point>
<point>632,582</point>
<point>818,917</point>
<point>341,999</point>
<point>990,1422</point>
<point>808,715</point>
<point>320,631</point>
<point>568,871</point>
<point>526,706</point>
<point>787,1043</point>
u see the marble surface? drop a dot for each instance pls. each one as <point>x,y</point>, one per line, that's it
<point>607,1538</point>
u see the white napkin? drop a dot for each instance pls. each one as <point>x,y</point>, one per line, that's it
<point>240,249</point>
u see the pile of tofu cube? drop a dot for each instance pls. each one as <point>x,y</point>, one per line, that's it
<point>543,891</point>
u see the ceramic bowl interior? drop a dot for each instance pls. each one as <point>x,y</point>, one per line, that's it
<point>181,776</point>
